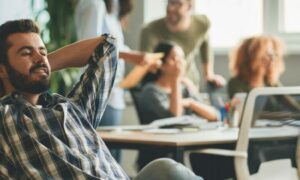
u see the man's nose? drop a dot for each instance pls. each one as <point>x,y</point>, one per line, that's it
<point>38,58</point>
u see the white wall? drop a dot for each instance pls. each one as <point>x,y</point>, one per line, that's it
<point>15,9</point>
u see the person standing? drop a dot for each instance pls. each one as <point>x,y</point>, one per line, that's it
<point>93,18</point>
<point>191,32</point>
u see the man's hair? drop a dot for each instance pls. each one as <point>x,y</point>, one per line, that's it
<point>12,27</point>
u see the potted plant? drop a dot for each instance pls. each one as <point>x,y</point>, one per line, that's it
<point>57,32</point>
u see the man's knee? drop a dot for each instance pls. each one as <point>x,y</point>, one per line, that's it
<point>164,169</point>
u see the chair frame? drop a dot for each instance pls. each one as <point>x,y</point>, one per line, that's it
<point>240,153</point>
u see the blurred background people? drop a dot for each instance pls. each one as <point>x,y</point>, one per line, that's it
<point>191,32</point>
<point>257,62</point>
<point>96,17</point>
<point>167,93</point>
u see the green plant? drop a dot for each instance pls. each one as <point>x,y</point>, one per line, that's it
<point>57,32</point>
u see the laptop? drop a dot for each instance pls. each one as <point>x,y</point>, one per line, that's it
<point>274,106</point>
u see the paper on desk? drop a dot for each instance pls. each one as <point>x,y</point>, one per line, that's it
<point>189,121</point>
<point>162,131</point>
<point>124,128</point>
<point>138,72</point>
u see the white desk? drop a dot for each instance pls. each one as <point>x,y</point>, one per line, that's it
<point>178,143</point>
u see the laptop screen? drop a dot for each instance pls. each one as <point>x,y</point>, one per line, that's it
<point>276,110</point>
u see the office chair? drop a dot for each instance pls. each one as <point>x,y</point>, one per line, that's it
<point>135,92</point>
<point>281,167</point>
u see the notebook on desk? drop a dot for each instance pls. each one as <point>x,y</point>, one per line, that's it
<point>185,121</point>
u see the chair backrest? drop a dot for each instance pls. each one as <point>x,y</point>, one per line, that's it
<point>241,165</point>
<point>135,93</point>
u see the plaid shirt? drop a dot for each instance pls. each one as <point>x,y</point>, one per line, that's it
<point>58,140</point>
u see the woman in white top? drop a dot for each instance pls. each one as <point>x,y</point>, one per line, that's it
<point>96,17</point>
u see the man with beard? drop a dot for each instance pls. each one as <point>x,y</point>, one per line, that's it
<point>191,32</point>
<point>44,136</point>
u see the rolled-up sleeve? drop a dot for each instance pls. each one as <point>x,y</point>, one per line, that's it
<point>91,93</point>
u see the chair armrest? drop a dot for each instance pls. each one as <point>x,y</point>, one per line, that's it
<point>221,152</point>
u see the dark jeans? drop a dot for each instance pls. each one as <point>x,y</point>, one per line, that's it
<point>166,169</point>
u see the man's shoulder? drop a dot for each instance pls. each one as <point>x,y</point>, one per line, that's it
<point>158,23</point>
<point>201,19</point>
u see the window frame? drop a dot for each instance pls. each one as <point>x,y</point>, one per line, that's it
<point>274,22</point>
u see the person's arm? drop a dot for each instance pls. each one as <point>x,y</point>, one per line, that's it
<point>6,166</point>
<point>203,110</point>
<point>208,65</point>
<point>140,58</point>
<point>91,93</point>
<point>274,70</point>
<point>73,55</point>
<point>176,107</point>
<point>176,73</point>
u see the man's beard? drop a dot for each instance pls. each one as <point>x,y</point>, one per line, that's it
<point>23,82</point>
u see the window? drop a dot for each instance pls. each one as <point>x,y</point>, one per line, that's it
<point>231,19</point>
<point>281,18</point>
<point>154,9</point>
<point>291,15</point>
<point>9,11</point>
<point>25,9</point>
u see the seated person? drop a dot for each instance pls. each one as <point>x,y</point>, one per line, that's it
<point>167,93</point>
<point>44,136</point>
<point>257,62</point>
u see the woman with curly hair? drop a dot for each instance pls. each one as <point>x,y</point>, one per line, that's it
<point>257,62</point>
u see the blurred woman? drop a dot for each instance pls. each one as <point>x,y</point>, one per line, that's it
<point>167,93</point>
<point>96,17</point>
<point>257,62</point>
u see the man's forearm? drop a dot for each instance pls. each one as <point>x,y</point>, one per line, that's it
<point>176,107</point>
<point>208,70</point>
<point>133,57</point>
<point>73,55</point>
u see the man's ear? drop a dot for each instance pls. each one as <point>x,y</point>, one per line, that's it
<point>3,72</point>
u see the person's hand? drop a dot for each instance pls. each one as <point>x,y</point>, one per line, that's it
<point>273,73</point>
<point>216,79</point>
<point>153,60</point>
<point>142,58</point>
<point>175,67</point>
<point>186,102</point>
<point>149,58</point>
